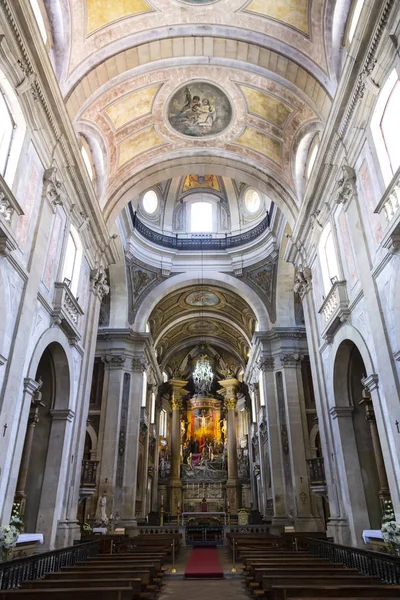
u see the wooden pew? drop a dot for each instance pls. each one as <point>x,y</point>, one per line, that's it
<point>99,593</point>
<point>144,576</point>
<point>100,582</point>
<point>356,592</point>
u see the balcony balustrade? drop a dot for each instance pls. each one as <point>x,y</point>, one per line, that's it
<point>88,473</point>
<point>389,211</point>
<point>10,211</point>
<point>334,310</point>
<point>67,312</point>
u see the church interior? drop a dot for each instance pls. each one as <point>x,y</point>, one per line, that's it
<point>199,295</point>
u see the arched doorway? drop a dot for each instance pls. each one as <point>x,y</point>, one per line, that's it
<point>359,451</point>
<point>41,469</point>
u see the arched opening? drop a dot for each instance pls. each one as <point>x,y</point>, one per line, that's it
<point>360,448</point>
<point>40,475</point>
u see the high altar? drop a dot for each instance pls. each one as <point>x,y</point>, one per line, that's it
<point>204,466</point>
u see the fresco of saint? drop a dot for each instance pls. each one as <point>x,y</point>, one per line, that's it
<point>199,109</point>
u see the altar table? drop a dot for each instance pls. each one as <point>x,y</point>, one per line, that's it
<point>202,514</point>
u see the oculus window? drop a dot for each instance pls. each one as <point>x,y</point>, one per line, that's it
<point>252,201</point>
<point>150,202</point>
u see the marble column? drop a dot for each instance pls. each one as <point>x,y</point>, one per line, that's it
<point>33,419</point>
<point>232,485</point>
<point>366,401</point>
<point>350,472</point>
<point>130,463</point>
<point>267,366</point>
<point>178,392</point>
<point>297,434</point>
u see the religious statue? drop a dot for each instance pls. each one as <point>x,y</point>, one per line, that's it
<point>204,505</point>
<point>103,509</point>
<point>203,418</point>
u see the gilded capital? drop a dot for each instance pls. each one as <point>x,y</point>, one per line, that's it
<point>176,403</point>
<point>230,403</point>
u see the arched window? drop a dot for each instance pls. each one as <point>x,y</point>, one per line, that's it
<point>72,261</point>
<point>312,156</point>
<point>385,126</point>
<point>201,217</point>
<point>12,130</point>
<point>355,15</point>
<point>329,264</point>
<point>37,11</point>
<point>87,161</point>
<point>163,423</point>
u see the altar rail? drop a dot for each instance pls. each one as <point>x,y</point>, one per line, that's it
<point>249,529</point>
<point>14,572</point>
<point>149,529</point>
<point>373,564</point>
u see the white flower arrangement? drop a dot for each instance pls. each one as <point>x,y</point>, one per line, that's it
<point>8,537</point>
<point>391,532</point>
<point>16,517</point>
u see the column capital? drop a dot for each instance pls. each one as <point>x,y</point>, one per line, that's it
<point>338,412</point>
<point>230,403</point>
<point>176,403</point>
<point>371,382</point>
<point>266,363</point>
<point>139,364</point>
<point>30,386</point>
<point>114,361</point>
<point>290,360</point>
<point>99,284</point>
<point>62,414</point>
<point>303,279</point>
<point>178,391</point>
<point>229,387</point>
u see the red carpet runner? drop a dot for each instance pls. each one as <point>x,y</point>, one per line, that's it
<point>203,563</point>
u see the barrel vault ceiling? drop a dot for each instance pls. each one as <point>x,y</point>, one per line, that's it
<point>127,59</point>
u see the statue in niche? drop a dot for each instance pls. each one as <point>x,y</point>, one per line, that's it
<point>103,508</point>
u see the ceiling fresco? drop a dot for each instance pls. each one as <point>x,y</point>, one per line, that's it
<point>155,80</point>
<point>199,109</point>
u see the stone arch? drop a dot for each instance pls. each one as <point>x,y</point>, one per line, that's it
<point>94,440</point>
<point>201,162</point>
<point>184,279</point>
<point>55,337</point>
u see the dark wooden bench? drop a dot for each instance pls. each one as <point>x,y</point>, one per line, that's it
<point>100,582</point>
<point>99,593</point>
<point>356,592</point>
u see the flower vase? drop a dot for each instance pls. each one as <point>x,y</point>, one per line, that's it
<point>5,554</point>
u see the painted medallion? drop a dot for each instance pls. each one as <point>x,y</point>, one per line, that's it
<point>199,109</point>
<point>198,1</point>
<point>202,298</point>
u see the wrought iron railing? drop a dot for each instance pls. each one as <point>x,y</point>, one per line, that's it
<point>317,471</point>
<point>14,572</point>
<point>373,564</point>
<point>200,243</point>
<point>88,473</point>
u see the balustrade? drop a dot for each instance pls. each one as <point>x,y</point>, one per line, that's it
<point>14,572</point>
<point>317,471</point>
<point>373,564</point>
<point>389,206</point>
<point>88,473</point>
<point>67,311</point>
<point>334,309</point>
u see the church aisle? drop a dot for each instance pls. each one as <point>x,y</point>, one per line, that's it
<point>181,589</point>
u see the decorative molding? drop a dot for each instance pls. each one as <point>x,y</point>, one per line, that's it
<point>141,280</point>
<point>30,386</point>
<point>302,281</point>
<point>262,279</point>
<point>62,414</point>
<point>338,412</point>
<point>396,355</point>
<point>3,360</point>
<point>53,188</point>
<point>99,283</point>
<point>346,187</point>
<point>371,382</point>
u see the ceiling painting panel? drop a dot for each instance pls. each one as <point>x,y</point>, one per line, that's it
<point>192,182</point>
<point>294,13</point>
<point>101,13</point>
<point>144,140</point>
<point>261,143</point>
<point>132,106</point>
<point>265,106</point>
